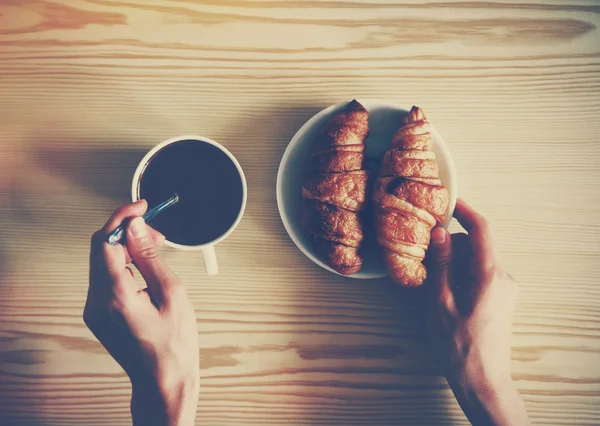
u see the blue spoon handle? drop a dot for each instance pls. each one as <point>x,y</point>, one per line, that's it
<point>118,235</point>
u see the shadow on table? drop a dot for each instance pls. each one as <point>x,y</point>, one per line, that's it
<point>19,421</point>
<point>270,132</point>
<point>3,258</point>
<point>31,202</point>
<point>378,368</point>
<point>15,214</point>
<point>105,171</point>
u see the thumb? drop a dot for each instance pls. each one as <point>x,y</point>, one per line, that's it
<point>440,255</point>
<point>144,253</point>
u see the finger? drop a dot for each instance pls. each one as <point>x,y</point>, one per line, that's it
<point>107,262</point>
<point>157,237</point>
<point>462,255</point>
<point>143,251</point>
<point>104,261</point>
<point>108,271</point>
<point>124,212</point>
<point>479,234</point>
<point>462,251</point>
<point>439,257</point>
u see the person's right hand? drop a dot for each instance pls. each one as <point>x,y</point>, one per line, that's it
<point>469,321</point>
<point>150,332</point>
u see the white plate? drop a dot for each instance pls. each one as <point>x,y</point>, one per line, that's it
<point>384,120</point>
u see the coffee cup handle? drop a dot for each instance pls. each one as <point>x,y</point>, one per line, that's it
<point>210,260</point>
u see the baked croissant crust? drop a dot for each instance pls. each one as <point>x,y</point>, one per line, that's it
<point>409,199</point>
<point>335,189</point>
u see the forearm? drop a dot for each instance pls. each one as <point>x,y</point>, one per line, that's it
<point>490,403</point>
<point>164,407</point>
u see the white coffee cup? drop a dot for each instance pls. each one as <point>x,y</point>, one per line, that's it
<point>207,249</point>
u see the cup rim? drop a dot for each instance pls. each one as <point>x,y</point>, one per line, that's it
<point>146,159</point>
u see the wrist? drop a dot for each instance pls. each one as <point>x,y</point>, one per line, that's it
<point>171,404</point>
<point>486,384</point>
<point>490,401</point>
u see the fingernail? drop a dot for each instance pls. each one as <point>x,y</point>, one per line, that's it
<point>138,227</point>
<point>438,236</point>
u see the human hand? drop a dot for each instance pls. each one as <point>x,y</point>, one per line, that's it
<point>150,332</point>
<point>469,321</point>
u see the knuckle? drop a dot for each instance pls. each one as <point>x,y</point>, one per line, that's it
<point>445,305</point>
<point>444,300</point>
<point>442,260</point>
<point>148,251</point>
<point>118,302</point>
<point>117,305</point>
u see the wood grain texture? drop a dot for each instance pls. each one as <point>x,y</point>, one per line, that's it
<point>88,86</point>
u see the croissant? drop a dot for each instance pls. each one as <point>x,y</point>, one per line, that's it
<point>335,189</point>
<point>409,199</point>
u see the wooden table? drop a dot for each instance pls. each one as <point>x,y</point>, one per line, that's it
<point>88,86</point>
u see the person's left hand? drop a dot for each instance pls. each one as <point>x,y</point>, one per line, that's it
<point>151,332</point>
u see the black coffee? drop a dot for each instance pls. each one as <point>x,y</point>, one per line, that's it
<point>209,188</point>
